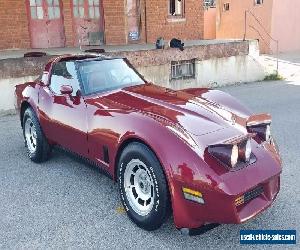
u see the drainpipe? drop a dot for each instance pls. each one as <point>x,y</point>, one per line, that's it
<point>146,30</point>
<point>245,27</point>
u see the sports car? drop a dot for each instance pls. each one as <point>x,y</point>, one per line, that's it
<point>196,153</point>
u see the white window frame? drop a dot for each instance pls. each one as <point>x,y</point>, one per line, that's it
<point>183,69</point>
<point>179,8</point>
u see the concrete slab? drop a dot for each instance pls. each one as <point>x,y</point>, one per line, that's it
<point>4,54</point>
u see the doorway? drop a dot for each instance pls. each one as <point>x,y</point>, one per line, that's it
<point>46,23</point>
<point>134,20</point>
<point>88,22</point>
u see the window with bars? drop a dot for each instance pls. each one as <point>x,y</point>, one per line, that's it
<point>94,9</point>
<point>226,7</point>
<point>53,9</point>
<point>176,8</point>
<point>36,9</point>
<point>183,69</point>
<point>209,3</point>
<point>78,8</point>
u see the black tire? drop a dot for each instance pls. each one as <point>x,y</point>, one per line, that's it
<point>161,206</point>
<point>42,148</point>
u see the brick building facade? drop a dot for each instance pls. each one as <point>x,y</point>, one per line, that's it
<point>14,25</point>
<point>25,23</point>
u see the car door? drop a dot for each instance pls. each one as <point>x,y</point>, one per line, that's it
<point>63,116</point>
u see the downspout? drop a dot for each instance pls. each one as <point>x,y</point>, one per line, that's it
<point>218,14</point>
<point>146,30</point>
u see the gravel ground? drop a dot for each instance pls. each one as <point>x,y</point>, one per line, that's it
<point>65,203</point>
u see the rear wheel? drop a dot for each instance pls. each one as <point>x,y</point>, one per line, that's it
<point>143,187</point>
<point>38,148</point>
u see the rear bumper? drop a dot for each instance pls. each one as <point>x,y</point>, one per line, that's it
<point>222,208</point>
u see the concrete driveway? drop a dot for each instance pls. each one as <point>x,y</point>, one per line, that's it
<point>66,203</point>
<point>288,63</point>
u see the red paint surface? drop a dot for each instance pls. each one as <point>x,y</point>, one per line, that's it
<point>85,124</point>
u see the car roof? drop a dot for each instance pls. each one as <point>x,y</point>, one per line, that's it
<point>84,57</point>
<point>77,58</point>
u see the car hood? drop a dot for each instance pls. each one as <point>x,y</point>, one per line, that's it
<point>194,113</point>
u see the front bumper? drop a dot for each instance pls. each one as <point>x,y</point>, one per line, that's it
<point>256,205</point>
<point>223,208</point>
<point>221,187</point>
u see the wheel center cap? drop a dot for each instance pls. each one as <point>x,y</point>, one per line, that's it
<point>144,186</point>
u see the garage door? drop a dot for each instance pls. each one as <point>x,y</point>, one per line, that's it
<point>88,23</point>
<point>46,23</point>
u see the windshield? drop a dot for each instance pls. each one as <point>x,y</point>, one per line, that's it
<point>103,75</point>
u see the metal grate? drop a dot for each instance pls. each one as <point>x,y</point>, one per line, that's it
<point>253,193</point>
<point>95,38</point>
<point>183,69</point>
<point>209,3</point>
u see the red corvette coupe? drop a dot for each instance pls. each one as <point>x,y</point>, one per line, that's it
<point>196,152</point>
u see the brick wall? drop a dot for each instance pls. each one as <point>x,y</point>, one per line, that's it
<point>114,21</point>
<point>68,23</point>
<point>159,23</point>
<point>13,24</point>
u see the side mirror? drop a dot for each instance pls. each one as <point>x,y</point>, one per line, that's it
<point>66,89</point>
<point>44,79</point>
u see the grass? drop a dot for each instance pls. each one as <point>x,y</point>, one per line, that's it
<point>273,77</point>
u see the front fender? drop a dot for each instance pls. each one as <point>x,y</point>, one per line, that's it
<point>182,164</point>
<point>27,95</point>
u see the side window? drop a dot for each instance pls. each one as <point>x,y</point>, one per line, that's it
<point>64,73</point>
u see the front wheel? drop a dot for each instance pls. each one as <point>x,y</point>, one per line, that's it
<point>38,148</point>
<point>143,187</point>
